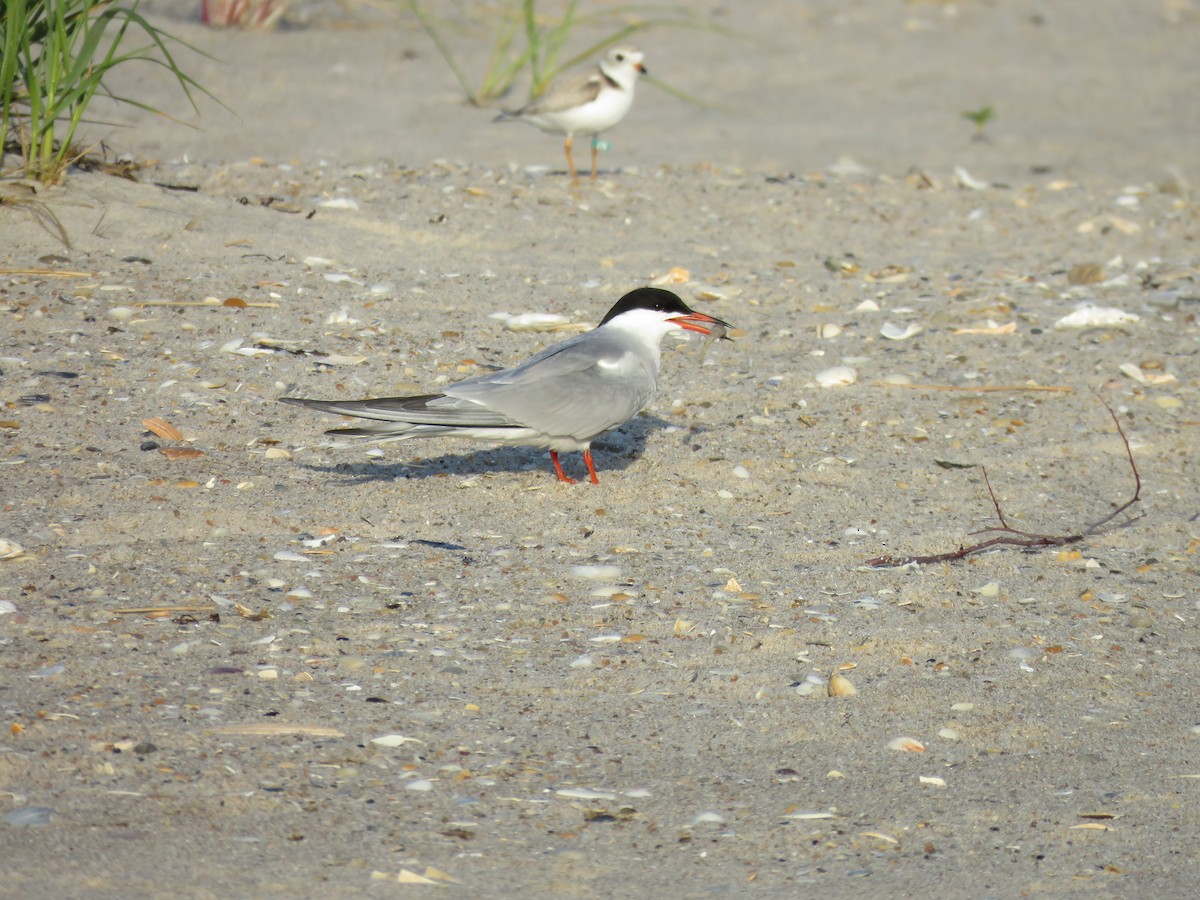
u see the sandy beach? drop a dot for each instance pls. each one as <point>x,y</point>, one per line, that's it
<point>239,663</point>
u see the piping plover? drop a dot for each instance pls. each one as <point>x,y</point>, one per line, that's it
<point>586,103</point>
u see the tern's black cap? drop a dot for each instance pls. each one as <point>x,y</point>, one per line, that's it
<point>648,298</point>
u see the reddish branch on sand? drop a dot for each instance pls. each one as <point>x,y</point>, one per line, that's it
<point>1014,537</point>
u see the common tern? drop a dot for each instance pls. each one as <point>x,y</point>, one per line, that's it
<point>586,103</point>
<point>562,398</point>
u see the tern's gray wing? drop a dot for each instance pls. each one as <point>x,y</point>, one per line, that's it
<point>427,409</point>
<point>579,388</point>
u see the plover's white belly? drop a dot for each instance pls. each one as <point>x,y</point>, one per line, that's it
<point>591,118</point>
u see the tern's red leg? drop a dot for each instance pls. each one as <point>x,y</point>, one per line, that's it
<point>570,160</point>
<point>562,476</point>
<point>587,458</point>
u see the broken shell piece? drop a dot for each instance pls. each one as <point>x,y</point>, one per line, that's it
<point>990,328</point>
<point>1138,374</point>
<point>1097,317</point>
<point>10,549</point>
<point>1085,273</point>
<point>965,179</point>
<point>907,744</point>
<point>162,429</point>
<point>596,572</point>
<point>840,686</point>
<point>536,322</point>
<point>673,275</point>
<point>394,740</point>
<point>838,376</point>
<point>897,333</point>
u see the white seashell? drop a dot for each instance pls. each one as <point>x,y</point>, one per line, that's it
<point>419,784</point>
<point>1134,371</point>
<point>840,686</point>
<point>6,607</point>
<point>897,379</point>
<point>896,333</point>
<point>828,331</point>
<point>121,313</point>
<point>341,278</point>
<point>290,556</point>
<point>838,376</point>
<point>596,573</point>
<point>932,779</point>
<point>741,472</point>
<point>907,744</point>
<point>394,740</point>
<point>585,794</point>
<point>10,549</point>
<point>535,322</point>
<point>867,306</point>
<point>607,590</point>
<point>963,178</point>
<point>235,346</point>
<point>1097,317</point>
<point>339,203</point>
<point>991,589</point>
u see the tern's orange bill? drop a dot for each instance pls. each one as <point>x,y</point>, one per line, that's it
<point>701,322</point>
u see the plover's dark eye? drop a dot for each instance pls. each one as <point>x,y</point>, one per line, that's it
<point>620,57</point>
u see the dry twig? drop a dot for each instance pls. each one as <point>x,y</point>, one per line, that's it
<point>1014,537</point>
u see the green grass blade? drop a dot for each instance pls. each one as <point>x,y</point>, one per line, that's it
<point>443,49</point>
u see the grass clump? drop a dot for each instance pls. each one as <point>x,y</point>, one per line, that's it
<point>55,57</point>
<point>526,37</point>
